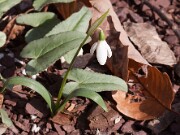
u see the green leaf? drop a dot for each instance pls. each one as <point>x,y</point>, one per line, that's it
<point>34,85</point>
<point>69,56</point>
<point>5,5</point>
<point>42,30</point>
<point>97,23</point>
<point>2,38</point>
<point>5,119</point>
<point>39,4</point>
<point>35,19</point>
<point>85,93</point>
<point>46,51</point>
<point>93,81</point>
<point>76,22</point>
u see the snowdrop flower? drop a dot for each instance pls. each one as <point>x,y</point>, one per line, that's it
<point>33,117</point>
<point>102,49</point>
<point>35,128</point>
<point>24,72</point>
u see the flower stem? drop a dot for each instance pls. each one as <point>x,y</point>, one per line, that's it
<point>67,72</point>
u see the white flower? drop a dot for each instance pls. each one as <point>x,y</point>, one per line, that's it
<point>102,49</point>
<point>35,128</point>
<point>33,117</point>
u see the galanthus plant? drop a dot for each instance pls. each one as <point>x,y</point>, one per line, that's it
<point>65,38</point>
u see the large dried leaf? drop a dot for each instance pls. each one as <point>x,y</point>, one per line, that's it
<point>66,9</point>
<point>153,93</point>
<point>152,48</point>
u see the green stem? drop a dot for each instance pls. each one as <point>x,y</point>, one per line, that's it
<point>67,72</point>
<point>3,80</point>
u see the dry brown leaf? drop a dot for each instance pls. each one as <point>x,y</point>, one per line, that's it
<point>152,48</point>
<point>1,100</point>
<point>67,9</point>
<point>12,29</point>
<point>153,93</point>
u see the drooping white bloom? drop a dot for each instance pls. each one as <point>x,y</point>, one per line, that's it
<point>33,117</point>
<point>35,128</point>
<point>102,49</point>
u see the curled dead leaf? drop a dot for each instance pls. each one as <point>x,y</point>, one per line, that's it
<point>67,9</point>
<point>153,96</point>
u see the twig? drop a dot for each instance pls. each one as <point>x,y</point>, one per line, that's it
<point>173,26</point>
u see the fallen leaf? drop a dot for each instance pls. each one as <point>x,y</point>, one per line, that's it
<point>152,48</point>
<point>153,96</point>
<point>12,29</point>
<point>66,9</point>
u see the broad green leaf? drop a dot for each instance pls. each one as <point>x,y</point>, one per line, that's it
<point>39,4</point>
<point>42,30</point>
<point>34,85</point>
<point>97,23</point>
<point>46,51</point>
<point>2,38</point>
<point>69,56</point>
<point>76,22</point>
<point>93,81</point>
<point>5,5</point>
<point>85,93</point>
<point>35,19</point>
<point>5,119</point>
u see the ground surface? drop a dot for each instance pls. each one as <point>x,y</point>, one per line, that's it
<point>85,117</point>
